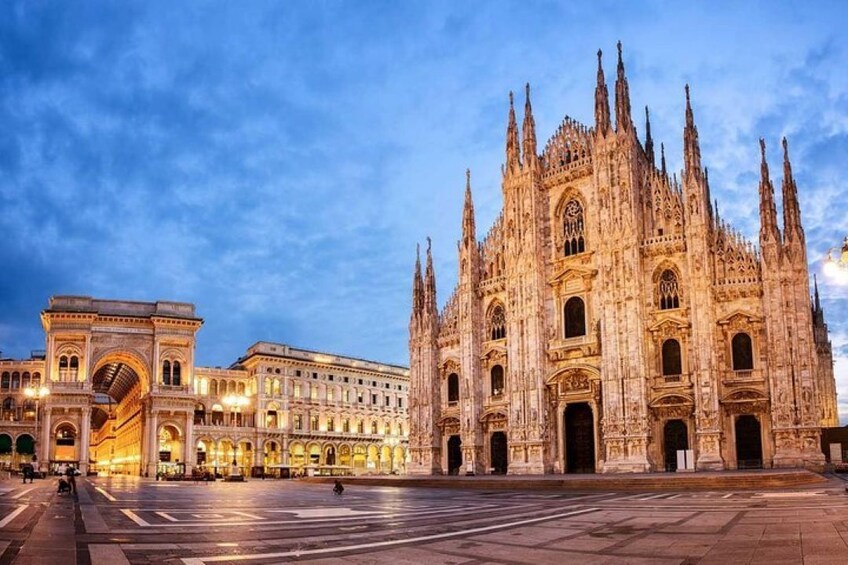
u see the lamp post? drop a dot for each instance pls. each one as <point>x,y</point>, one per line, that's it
<point>37,393</point>
<point>837,269</point>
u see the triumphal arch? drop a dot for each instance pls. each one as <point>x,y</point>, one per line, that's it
<point>119,374</point>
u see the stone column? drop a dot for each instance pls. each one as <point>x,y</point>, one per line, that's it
<point>189,448</point>
<point>85,439</point>
<point>152,444</point>
<point>45,439</point>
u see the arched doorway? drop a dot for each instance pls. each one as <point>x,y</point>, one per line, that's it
<point>344,456</point>
<point>454,455</point>
<point>200,452</point>
<point>359,462</point>
<point>6,450</point>
<point>329,455</point>
<point>272,453</point>
<point>65,443</point>
<point>749,446</point>
<point>497,445</point>
<point>25,448</point>
<point>579,438</point>
<point>117,426</point>
<point>675,438</point>
<point>386,459</point>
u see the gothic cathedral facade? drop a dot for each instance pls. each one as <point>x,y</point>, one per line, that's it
<point>610,319</point>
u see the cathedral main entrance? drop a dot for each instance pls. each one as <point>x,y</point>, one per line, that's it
<point>498,450</point>
<point>675,438</point>
<point>454,455</point>
<point>579,438</point>
<point>749,444</point>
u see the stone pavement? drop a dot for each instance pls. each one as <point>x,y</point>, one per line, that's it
<point>130,520</point>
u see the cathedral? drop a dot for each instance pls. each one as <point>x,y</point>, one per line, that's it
<point>610,321</point>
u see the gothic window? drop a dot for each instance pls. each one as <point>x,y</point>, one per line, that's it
<point>669,292</point>
<point>497,322</point>
<point>671,361</point>
<point>743,352</point>
<point>572,228</point>
<point>166,372</point>
<point>497,378</point>
<point>453,388</point>
<point>574,317</point>
<point>175,373</point>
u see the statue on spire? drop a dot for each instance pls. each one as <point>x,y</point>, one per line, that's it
<point>623,120</point>
<point>602,111</point>
<point>649,141</point>
<point>529,129</point>
<point>513,163</point>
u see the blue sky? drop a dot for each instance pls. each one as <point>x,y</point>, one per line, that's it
<point>276,163</point>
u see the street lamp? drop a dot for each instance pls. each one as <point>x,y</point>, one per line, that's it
<point>235,402</point>
<point>37,393</point>
<point>837,269</point>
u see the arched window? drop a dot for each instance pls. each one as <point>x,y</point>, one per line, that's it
<point>572,228</point>
<point>5,383</point>
<point>360,427</point>
<point>25,380</point>
<point>204,386</point>
<point>63,362</point>
<point>213,388</point>
<point>16,380</point>
<point>217,415</point>
<point>74,363</point>
<point>574,317</point>
<point>374,427</point>
<point>743,352</point>
<point>176,373</point>
<point>66,435</point>
<point>200,414</point>
<point>497,322</point>
<point>497,380</point>
<point>166,372</point>
<point>453,388</point>
<point>671,361</point>
<point>669,293</point>
<point>36,379</point>
<point>275,390</point>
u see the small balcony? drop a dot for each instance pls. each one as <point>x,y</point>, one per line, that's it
<point>672,381</point>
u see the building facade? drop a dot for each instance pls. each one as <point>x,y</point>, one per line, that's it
<point>123,396</point>
<point>610,318</point>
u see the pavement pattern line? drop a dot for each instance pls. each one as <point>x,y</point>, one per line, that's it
<point>20,494</point>
<point>380,544</point>
<point>12,515</point>
<point>108,496</point>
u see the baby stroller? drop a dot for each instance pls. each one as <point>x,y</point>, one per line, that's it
<point>64,486</point>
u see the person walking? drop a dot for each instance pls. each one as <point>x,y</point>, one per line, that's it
<point>71,473</point>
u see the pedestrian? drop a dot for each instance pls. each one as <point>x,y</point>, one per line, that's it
<point>70,473</point>
<point>338,488</point>
<point>25,471</point>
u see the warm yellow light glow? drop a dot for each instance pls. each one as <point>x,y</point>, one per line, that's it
<point>37,392</point>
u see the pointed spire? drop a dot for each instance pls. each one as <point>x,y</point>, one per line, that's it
<point>707,189</point>
<point>417,284</point>
<point>512,147</point>
<point>602,111</point>
<point>662,160</point>
<point>691,146</point>
<point>792,229</point>
<point>429,282</point>
<point>768,211</point>
<point>649,141</point>
<point>468,227</point>
<point>529,129</point>
<point>623,120</point>
<point>816,301</point>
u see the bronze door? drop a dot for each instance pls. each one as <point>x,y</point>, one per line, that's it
<point>749,446</point>
<point>675,437</point>
<point>579,439</point>
<point>498,449</point>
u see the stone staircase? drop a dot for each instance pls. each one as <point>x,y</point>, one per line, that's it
<point>721,480</point>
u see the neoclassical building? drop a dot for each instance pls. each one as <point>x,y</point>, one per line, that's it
<point>610,318</point>
<point>125,397</point>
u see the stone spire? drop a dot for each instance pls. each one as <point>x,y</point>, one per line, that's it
<point>417,285</point>
<point>769,232</point>
<point>649,141</point>
<point>662,160</point>
<point>469,237</point>
<point>602,111</point>
<point>529,130</point>
<point>512,147</point>
<point>623,119</point>
<point>816,302</point>
<point>691,146</point>
<point>792,230</point>
<point>430,283</point>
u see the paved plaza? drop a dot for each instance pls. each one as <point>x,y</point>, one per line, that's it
<point>139,521</point>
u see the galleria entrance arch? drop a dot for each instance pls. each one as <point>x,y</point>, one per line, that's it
<point>118,371</point>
